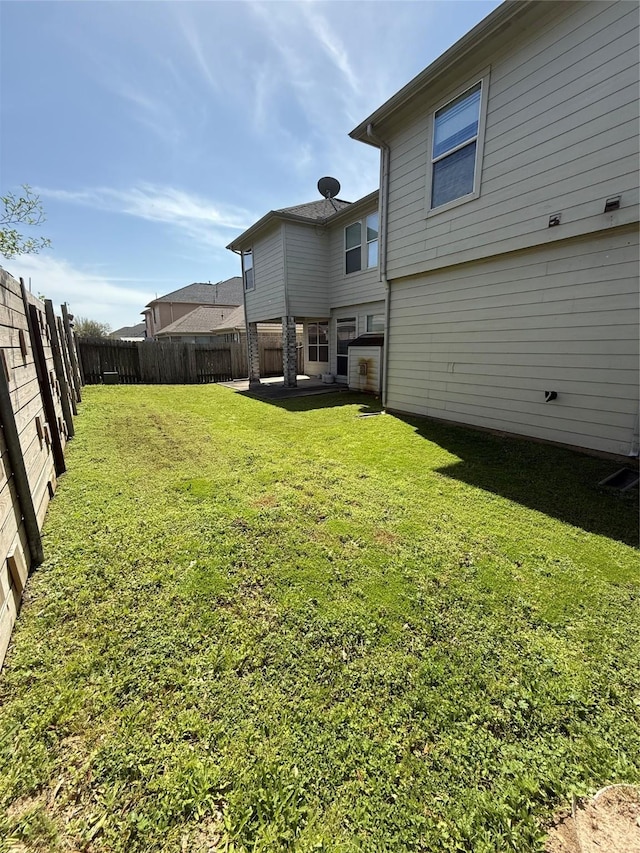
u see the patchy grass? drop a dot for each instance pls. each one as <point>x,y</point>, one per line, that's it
<point>265,628</point>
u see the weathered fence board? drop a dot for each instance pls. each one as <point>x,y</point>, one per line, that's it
<point>37,390</point>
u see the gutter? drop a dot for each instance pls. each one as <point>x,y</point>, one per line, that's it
<point>383,205</point>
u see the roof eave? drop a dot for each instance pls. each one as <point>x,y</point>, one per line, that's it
<point>275,215</point>
<point>483,30</point>
<point>271,216</point>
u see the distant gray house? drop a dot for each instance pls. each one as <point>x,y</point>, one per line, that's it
<point>314,264</point>
<point>130,333</point>
<point>212,324</point>
<point>509,212</point>
<point>166,309</point>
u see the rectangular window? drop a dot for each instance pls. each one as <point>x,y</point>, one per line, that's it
<point>318,334</point>
<point>375,322</point>
<point>372,240</point>
<point>247,269</point>
<point>353,247</point>
<point>455,142</point>
<point>361,244</point>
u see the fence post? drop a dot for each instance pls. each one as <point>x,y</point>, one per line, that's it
<point>43,381</point>
<point>75,368</point>
<point>59,368</point>
<point>19,471</point>
<point>67,365</point>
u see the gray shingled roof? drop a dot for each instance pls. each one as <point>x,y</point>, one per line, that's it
<point>201,321</point>
<point>228,292</point>
<point>137,331</point>
<point>212,320</point>
<point>320,209</point>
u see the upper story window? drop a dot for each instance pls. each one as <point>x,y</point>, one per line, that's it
<point>353,247</point>
<point>247,269</point>
<point>455,146</point>
<point>372,240</point>
<point>361,253</point>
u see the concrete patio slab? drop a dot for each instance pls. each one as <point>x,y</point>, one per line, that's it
<point>273,388</point>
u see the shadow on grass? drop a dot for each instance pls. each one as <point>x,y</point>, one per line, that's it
<point>309,402</point>
<point>555,481</point>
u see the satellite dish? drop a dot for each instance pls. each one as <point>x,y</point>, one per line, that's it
<point>328,187</point>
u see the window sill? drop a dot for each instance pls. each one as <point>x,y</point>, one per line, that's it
<point>451,204</point>
<point>360,272</point>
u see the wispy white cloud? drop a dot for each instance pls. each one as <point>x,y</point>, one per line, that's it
<point>151,112</point>
<point>331,44</point>
<point>313,92</point>
<point>196,48</point>
<point>207,223</point>
<point>87,292</point>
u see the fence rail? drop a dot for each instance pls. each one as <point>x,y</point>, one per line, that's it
<point>163,363</point>
<point>39,391</point>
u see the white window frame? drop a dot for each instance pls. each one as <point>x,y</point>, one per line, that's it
<point>317,345</point>
<point>245,270</point>
<point>353,248</point>
<point>369,242</point>
<point>364,244</point>
<point>375,319</point>
<point>483,79</point>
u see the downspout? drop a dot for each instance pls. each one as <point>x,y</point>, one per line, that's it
<point>385,157</point>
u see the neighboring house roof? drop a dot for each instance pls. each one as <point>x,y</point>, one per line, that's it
<point>137,331</point>
<point>313,212</point>
<point>228,292</point>
<point>497,20</point>
<point>213,320</point>
<point>203,320</point>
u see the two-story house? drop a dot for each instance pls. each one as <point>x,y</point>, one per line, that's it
<point>509,227</point>
<point>314,264</point>
<point>165,310</point>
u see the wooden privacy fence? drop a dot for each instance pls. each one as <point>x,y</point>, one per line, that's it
<point>164,363</point>
<point>40,387</point>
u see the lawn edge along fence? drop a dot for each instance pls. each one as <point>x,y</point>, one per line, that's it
<point>40,387</point>
<point>177,363</point>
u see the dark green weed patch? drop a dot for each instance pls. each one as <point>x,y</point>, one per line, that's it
<point>287,628</point>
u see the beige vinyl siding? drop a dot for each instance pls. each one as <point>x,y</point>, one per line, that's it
<point>561,136</point>
<point>266,300</point>
<point>360,313</point>
<point>480,343</point>
<point>357,286</point>
<point>305,247</point>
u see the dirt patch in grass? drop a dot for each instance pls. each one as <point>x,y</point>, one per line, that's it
<point>608,823</point>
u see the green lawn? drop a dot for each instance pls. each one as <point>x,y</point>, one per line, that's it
<point>265,628</point>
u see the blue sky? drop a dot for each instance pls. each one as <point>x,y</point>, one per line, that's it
<point>155,132</point>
